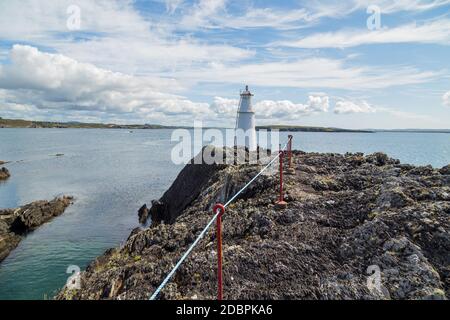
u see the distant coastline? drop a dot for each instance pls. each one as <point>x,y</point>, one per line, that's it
<point>21,123</point>
<point>283,128</point>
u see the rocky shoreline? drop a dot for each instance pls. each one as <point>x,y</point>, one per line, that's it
<point>4,173</point>
<point>350,220</point>
<point>16,223</point>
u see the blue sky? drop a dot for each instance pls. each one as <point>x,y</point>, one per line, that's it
<point>175,61</point>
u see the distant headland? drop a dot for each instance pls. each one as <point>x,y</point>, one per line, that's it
<point>21,123</point>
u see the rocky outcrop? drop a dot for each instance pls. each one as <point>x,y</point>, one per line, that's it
<point>4,174</point>
<point>187,187</point>
<point>143,214</point>
<point>355,227</point>
<point>16,223</point>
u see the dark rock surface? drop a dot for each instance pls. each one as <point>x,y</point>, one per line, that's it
<point>4,173</point>
<point>187,187</point>
<point>16,223</point>
<point>350,219</point>
<point>143,214</point>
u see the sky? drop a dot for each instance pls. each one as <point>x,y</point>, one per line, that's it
<point>351,64</point>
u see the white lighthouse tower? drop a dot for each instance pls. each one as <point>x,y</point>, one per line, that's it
<point>245,122</point>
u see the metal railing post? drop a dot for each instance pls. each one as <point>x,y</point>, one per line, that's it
<point>290,169</point>
<point>281,204</point>
<point>219,207</point>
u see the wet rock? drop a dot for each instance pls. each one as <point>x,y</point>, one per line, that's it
<point>4,174</point>
<point>16,223</point>
<point>33,215</point>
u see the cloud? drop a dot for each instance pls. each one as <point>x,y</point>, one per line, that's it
<point>54,82</point>
<point>288,110</point>
<point>43,84</point>
<point>136,44</point>
<point>274,110</point>
<point>446,99</point>
<point>206,14</point>
<point>334,9</point>
<point>225,107</point>
<point>346,107</point>
<point>252,18</point>
<point>202,12</point>
<point>172,5</point>
<point>393,6</point>
<point>437,32</point>
<point>311,73</point>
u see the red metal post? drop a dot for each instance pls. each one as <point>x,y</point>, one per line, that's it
<point>281,176</point>
<point>219,207</point>
<point>281,204</point>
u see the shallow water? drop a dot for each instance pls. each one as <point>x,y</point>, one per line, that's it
<point>111,173</point>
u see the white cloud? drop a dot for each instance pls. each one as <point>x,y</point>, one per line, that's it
<point>346,107</point>
<point>335,9</point>
<point>42,84</point>
<point>393,6</point>
<point>446,99</point>
<point>288,110</point>
<point>114,36</point>
<point>311,73</point>
<point>214,13</point>
<point>225,107</point>
<point>273,110</point>
<point>172,5</point>
<point>437,31</point>
<point>202,12</point>
<point>56,82</point>
<point>253,18</point>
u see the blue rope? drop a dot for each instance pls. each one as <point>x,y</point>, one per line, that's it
<point>202,234</point>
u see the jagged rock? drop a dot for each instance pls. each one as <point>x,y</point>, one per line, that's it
<point>378,158</point>
<point>33,215</point>
<point>16,223</point>
<point>187,187</point>
<point>4,173</point>
<point>445,170</point>
<point>393,198</point>
<point>349,215</point>
<point>143,214</point>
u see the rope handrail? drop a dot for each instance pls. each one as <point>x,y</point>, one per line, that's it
<point>202,234</point>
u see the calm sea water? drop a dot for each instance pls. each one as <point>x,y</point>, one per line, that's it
<point>111,173</point>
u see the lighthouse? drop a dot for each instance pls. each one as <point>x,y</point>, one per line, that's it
<point>245,122</point>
